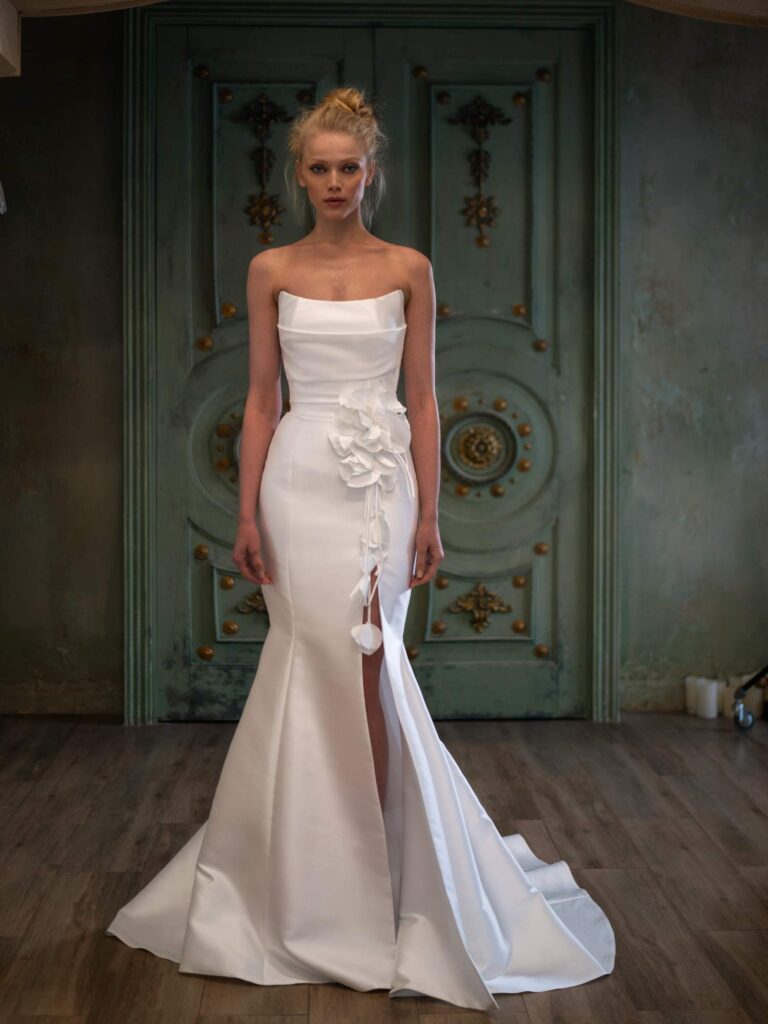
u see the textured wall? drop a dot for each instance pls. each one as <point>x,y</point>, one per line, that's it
<point>694,310</point>
<point>60,388</point>
<point>694,341</point>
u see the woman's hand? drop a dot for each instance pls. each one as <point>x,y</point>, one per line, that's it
<point>246,553</point>
<point>429,552</point>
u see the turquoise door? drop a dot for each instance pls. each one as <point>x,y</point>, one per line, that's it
<point>490,175</point>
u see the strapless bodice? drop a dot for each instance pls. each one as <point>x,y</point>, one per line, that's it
<point>328,345</point>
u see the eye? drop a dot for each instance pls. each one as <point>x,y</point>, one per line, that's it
<point>351,167</point>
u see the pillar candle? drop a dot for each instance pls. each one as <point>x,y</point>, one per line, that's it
<point>706,703</point>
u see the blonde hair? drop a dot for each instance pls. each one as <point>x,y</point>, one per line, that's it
<point>344,109</point>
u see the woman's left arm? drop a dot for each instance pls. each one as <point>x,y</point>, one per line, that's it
<point>423,416</point>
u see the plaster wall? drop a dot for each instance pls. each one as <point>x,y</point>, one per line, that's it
<point>61,604</point>
<point>694,351</point>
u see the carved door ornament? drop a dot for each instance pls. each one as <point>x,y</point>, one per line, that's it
<point>479,116</point>
<point>480,603</point>
<point>263,209</point>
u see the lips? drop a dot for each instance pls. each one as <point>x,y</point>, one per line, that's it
<point>333,202</point>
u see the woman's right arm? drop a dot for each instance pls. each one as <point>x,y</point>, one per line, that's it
<point>261,415</point>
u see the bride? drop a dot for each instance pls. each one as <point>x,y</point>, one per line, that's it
<point>342,260</point>
<point>344,844</point>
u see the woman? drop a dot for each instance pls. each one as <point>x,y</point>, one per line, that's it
<point>344,843</point>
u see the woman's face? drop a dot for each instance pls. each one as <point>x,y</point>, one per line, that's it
<point>335,170</point>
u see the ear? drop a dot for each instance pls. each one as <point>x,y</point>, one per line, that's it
<point>371,172</point>
<point>299,176</point>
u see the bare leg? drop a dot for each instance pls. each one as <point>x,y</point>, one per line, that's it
<point>376,724</point>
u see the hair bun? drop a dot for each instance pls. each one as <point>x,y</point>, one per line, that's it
<point>351,99</point>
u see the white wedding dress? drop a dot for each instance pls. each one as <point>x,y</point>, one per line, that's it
<point>297,876</point>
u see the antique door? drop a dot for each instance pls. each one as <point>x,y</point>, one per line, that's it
<point>490,175</point>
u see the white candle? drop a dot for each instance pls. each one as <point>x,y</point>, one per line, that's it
<point>706,704</point>
<point>691,694</point>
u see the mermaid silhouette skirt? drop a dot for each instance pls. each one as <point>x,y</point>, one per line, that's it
<point>298,876</point>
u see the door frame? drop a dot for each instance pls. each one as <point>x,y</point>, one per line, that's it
<point>139,296</point>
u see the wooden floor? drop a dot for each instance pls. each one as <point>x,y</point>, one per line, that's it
<point>663,818</point>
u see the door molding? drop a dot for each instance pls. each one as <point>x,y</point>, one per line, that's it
<point>139,297</point>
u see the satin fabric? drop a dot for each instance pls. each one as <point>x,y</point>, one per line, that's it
<point>297,875</point>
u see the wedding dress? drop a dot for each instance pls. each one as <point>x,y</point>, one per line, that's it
<point>298,875</point>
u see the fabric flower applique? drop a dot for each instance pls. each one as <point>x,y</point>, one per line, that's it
<point>371,436</point>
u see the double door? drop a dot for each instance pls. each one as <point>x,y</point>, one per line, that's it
<point>490,174</point>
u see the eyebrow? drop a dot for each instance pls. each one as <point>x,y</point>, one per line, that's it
<point>325,160</point>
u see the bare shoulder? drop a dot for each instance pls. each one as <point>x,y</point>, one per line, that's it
<point>408,257</point>
<point>277,261</point>
<point>262,264</point>
<point>266,268</point>
<point>415,267</point>
<point>269,261</point>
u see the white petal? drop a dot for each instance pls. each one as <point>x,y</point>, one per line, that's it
<point>367,636</point>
